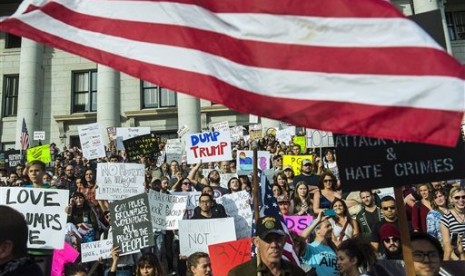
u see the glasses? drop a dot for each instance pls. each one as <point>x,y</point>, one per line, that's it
<point>419,256</point>
<point>205,202</point>
<point>391,240</point>
<point>388,208</point>
<point>306,165</point>
<point>459,197</point>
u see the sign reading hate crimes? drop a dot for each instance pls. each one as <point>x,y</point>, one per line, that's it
<point>208,147</point>
<point>131,223</point>
<point>166,210</point>
<point>367,163</point>
<point>119,180</point>
<point>145,145</point>
<point>44,211</point>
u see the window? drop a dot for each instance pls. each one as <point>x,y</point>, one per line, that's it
<point>12,41</point>
<point>84,91</point>
<point>456,25</point>
<point>10,90</point>
<point>154,96</point>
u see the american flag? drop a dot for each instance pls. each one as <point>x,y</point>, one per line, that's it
<point>354,67</point>
<point>24,139</point>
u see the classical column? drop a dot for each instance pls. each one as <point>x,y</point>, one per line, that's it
<point>108,99</point>
<point>188,112</point>
<point>30,88</point>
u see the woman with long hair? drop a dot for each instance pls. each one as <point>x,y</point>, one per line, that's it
<point>453,223</point>
<point>147,265</point>
<point>440,207</point>
<point>198,264</point>
<point>326,193</point>
<point>355,257</point>
<point>344,227</point>
<point>329,162</point>
<point>421,209</point>
<point>80,214</point>
<point>277,190</point>
<point>300,203</point>
<point>281,180</point>
<point>289,173</point>
<point>183,185</point>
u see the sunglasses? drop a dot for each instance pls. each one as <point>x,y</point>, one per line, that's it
<point>459,197</point>
<point>389,208</point>
<point>391,240</point>
<point>327,180</point>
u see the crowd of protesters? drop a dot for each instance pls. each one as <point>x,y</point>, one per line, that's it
<point>349,235</point>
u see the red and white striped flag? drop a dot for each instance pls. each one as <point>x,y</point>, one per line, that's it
<point>347,66</point>
<point>24,138</point>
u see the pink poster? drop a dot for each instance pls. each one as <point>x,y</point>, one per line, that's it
<point>297,223</point>
<point>62,256</point>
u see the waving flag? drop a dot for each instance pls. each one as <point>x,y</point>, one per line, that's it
<point>347,66</point>
<point>24,138</point>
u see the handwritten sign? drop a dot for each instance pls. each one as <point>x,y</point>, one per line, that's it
<point>297,223</point>
<point>196,235</point>
<point>62,256</point>
<point>255,132</point>
<point>41,153</point>
<point>119,180</point>
<point>221,126</point>
<point>145,145</point>
<point>285,135</point>
<point>12,158</point>
<point>44,210</point>
<point>131,224</point>
<point>367,163</point>
<point>319,139</point>
<point>301,141</point>
<point>224,256</point>
<point>208,147</point>
<point>244,160</point>
<point>173,150</point>
<point>183,130</point>
<point>91,141</point>
<point>39,135</point>
<point>166,210</point>
<point>191,202</point>
<point>130,132</point>
<point>237,133</point>
<point>295,161</point>
<point>92,251</point>
<point>237,205</point>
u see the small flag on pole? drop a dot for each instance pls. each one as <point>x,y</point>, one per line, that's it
<point>24,139</point>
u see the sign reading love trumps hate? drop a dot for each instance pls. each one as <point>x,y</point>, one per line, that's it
<point>119,180</point>
<point>44,211</point>
<point>131,223</point>
<point>208,147</point>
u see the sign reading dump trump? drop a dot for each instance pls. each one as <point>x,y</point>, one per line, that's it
<point>208,147</point>
<point>119,180</point>
<point>166,210</point>
<point>197,234</point>
<point>44,210</point>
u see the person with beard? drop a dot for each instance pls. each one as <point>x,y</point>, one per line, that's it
<point>390,237</point>
<point>369,215</point>
<point>214,182</point>
<point>68,182</point>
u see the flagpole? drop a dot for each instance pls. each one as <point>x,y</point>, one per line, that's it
<point>255,184</point>
<point>404,232</point>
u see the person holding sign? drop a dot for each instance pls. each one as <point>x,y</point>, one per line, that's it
<point>80,214</point>
<point>269,244</point>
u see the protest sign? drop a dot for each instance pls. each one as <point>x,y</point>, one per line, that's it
<point>255,131</point>
<point>92,251</point>
<point>130,132</point>
<point>196,234</point>
<point>237,133</point>
<point>244,160</point>
<point>368,163</point>
<point>173,150</point>
<point>41,153</point>
<point>226,255</point>
<point>285,135</point>
<point>208,147</point>
<point>131,223</point>
<point>297,223</point>
<point>39,135</point>
<point>91,141</point>
<point>3,160</point>
<point>12,158</point>
<point>221,126</point>
<point>44,210</point>
<point>192,201</point>
<point>319,139</point>
<point>119,180</point>
<point>183,130</point>
<point>145,145</point>
<point>301,141</point>
<point>166,210</point>
<point>295,161</point>
<point>237,205</point>
<point>62,256</point>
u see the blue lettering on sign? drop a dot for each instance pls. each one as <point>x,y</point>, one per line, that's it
<point>204,137</point>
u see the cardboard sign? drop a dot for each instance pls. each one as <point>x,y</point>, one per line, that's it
<point>244,160</point>
<point>221,126</point>
<point>295,161</point>
<point>237,205</point>
<point>191,202</point>
<point>131,224</point>
<point>297,223</point>
<point>39,135</point>
<point>166,210</point>
<point>91,141</point>
<point>62,256</point>
<point>119,180</point>
<point>92,251</point>
<point>41,153</point>
<point>255,132</point>
<point>319,139</point>
<point>368,163</point>
<point>285,135</point>
<point>145,145</point>
<point>208,147</point>
<point>301,141</point>
<point>173,150</point>
<point>44,210</point>
<point>130,132</point>
<point>224,256</point>
<point>197,234</point>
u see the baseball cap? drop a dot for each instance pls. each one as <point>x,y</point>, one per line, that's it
<point>268,225</point>
<point>306,161</point>
<point>282,198</point>
<point>288,167</point>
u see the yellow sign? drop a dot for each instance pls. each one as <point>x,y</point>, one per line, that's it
<point>295,161</point>
<point>41,153</point>
<point>302,142</point>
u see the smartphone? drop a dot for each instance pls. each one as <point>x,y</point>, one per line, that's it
<point>453,239</point>
<point>329,213</point>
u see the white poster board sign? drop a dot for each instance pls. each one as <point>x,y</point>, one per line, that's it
<point>285,135</point>
<point>91,141</point>
<point>173,150</point>
<point>208,147</point>
<point>131,132</point>
<point>237,205</point>
<point>196,234</point>
<point>166,210</point>
<point>119,180</point>
<point>237,133</point>
<point>44,210</point>
<point>92,251</point>
<point>191,202</point>
<point>221,126</point>
<point>39,135</point>
<point>319,139</point>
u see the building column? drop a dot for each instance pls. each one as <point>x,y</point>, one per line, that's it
<point>30,89</point>
<point>108,99</point>
<point>267,123</point>
<point>188,112</point>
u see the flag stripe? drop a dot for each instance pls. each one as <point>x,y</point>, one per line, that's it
<point>343,59</point>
